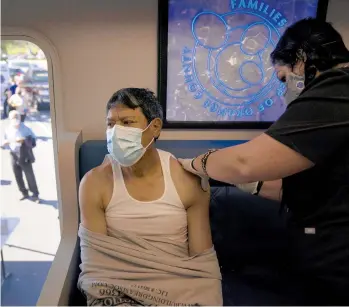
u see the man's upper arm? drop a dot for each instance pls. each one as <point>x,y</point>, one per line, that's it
<point>91,203</point>
<point>196,201</point>
<point>199,230</point>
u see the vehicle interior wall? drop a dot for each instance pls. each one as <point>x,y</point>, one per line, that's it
<point>99,47</point>
<point>106,45</point>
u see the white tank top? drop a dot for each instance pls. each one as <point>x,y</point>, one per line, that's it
<point>162,220</point>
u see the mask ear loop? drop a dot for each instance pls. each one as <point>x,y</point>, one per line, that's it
<point>153,139</point>
<point>147,127</point>
<point>309,71</point>
<point>301,55</point>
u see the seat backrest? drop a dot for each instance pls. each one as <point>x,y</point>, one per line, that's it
<point>92,153</point>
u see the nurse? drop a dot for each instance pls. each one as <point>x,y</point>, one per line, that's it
<point>308,149</point>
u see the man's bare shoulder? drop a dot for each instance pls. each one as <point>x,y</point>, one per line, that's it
<point>187,184</point>
<point>97,183</point>
<point>178,171</point>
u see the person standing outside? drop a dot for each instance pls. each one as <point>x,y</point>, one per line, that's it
<point>21,140</point>
<point>19,101</point>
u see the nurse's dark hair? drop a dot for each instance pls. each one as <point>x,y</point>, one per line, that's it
<point>313,41</point>
<point>141,98</point>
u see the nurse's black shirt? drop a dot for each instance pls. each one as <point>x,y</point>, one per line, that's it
<point>316,125</point>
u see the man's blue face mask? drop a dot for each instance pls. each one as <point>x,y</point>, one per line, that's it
<point>125,144</point>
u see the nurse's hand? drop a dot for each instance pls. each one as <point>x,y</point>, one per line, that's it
<point>187,165</point>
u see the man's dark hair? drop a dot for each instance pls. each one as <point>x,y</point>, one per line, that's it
<point>314,41</point>
<point>138,98</point>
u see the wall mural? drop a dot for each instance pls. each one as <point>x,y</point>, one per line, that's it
<point>218,61</point>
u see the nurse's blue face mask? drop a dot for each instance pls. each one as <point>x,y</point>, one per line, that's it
<point>295,85</point>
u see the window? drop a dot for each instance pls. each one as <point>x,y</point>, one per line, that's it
<point>30,231</point>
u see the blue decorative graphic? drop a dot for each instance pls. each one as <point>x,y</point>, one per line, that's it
<point>225,70</point>
<point>226,35</point>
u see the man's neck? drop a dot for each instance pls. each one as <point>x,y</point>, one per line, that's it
<point>147,165</point>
